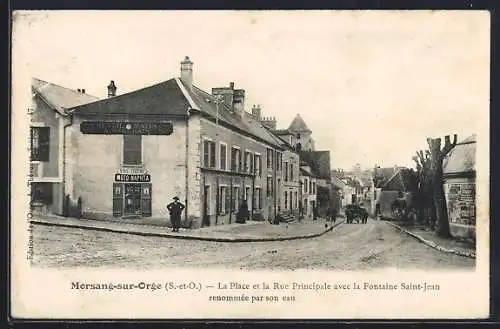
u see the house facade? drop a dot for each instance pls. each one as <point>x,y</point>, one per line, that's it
<point>459,176</point>
<point>49,120</point>
<point>308,191</point>
<point>172,139</point>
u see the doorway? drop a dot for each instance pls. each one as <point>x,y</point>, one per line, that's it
<point>132,199</point>
<point>206,216</point>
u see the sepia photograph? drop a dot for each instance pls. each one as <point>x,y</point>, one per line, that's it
<point>325,148</point>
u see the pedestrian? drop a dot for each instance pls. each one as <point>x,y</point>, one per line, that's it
<point>175,209</point>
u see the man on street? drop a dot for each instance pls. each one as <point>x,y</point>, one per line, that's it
<point>175,209</point>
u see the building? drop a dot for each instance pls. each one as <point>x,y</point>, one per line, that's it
<point>459,175</point>
<point>297,134</point>
<point>399,189</point>
<point>49,120</point>
<point>172,139</point>
<point>308,191</point>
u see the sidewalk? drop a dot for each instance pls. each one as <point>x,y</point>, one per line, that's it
<point>249,232</point>
<point>454,246</point>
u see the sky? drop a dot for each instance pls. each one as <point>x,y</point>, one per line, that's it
<point>371,85</point>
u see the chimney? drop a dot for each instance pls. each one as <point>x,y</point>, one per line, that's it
<point>238,100</point>
<point>83,91</point>
<point>187,72</point>
<point>79,90</point>
<point>256,111</point>
<point>269,122</point>
<point>111,89</point>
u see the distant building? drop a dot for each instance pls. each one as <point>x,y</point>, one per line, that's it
<point>459,174</point>
<point>308,193</point>
<point>399,189</point>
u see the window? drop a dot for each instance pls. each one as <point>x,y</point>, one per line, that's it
<point>306,184</point>
<point>269,185</point>
<point>223,157</point>
<point>132,149</point>
<point>236,198</point>
<point>235,159</point>
<point>248,161</point>
<point>208,154</point>
<point>40,143</point>
<point>258,198</point>
<point>286,199</point>
<point>291,171</point>
<point>41,193</point>
<point>286,171</point>
<point>296,199</point>
<point>314,187</point>
<point>310,187</point>
<point>269,158</point>
<point>223,198</point>
<point>279,160</point>
<point>258,165</point>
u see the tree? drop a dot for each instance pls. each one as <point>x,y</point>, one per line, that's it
<point>424,201</point>
<point>437,157</point>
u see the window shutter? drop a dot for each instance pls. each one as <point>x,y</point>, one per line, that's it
<point>44,137</point>
<point>227,202</point>
<point>117,199</point>
<point>146,199</point>
<point>212,155</point>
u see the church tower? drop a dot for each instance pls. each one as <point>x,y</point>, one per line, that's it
<point>301,135</point>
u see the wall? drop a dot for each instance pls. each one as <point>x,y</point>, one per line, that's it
<point>218,134</point>
<point>460,199</point>
<point>93,160</point>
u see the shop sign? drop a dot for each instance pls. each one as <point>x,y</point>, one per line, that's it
<point>126,128</point>
<point>132,178</point>
<point>132,171</point>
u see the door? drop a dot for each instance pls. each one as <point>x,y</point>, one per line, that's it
<point>117,199</point>
<point>206,217</point>
<point>146,199</point>
<point>132,199</point>
<point>248,197</point>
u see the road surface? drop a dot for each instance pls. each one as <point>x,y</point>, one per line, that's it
<point>374,245</point>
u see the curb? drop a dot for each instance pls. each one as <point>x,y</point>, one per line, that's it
<point>433,244</point>
<point>188,237</point>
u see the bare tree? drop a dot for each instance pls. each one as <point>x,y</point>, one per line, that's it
<point>437,157</point>
<point>425,202</point>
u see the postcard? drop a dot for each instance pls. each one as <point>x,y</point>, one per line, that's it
<point>250,164</point>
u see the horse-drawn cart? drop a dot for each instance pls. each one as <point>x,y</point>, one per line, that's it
<point>355,212</point>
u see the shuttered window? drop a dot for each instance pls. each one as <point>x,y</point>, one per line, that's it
<point>209,155</point>
<point>132,149</point>
<point>40,143</point>
<point>223,157</point>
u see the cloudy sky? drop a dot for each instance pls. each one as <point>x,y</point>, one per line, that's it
<point>371,85</point>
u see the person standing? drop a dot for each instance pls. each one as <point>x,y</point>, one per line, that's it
<point>175,209</point>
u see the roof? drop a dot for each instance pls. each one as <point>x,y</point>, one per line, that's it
<point>319,161</point>
<point>382,175</point>
<point>169,99</point>
<point>337,182</point>
<point>298,125</point>
<point>60,98</point>
<point>403,180</point>
<point>462,158</point>
<point>282,132</point>
<point>162,98</point>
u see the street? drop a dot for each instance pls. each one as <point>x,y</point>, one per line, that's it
<point>374,245</point>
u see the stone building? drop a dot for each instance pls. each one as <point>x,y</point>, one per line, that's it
<point>130,154</point>
<point>49,120</point>
<point>459,175</point>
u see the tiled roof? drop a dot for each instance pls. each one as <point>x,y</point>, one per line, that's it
<point>319,161</point>
<point>60,98</point>
<point>462,158</point>
<point>246,122</point>
<point>167,98</point>
<point>298,125</point>
<point>164,98</point>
